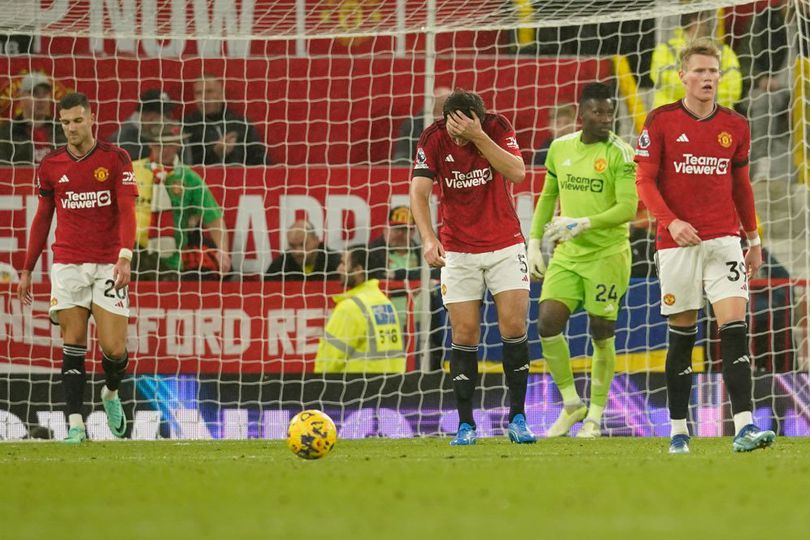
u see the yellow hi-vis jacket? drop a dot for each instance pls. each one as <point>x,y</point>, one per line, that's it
<point>363,334</point>
<point>665,65</point>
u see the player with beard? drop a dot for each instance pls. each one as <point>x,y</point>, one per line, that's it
<point>693,177</point>
<point>474,159</point>
<point>90,186</point>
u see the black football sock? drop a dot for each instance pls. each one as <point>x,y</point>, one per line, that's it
<point>736,365</point>
<point>74,377</point>
<point>115,369</point>
<point>464,372</point>
<point>679,369</point>
<point>516,370</point>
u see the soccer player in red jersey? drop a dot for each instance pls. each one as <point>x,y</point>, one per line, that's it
<point>91,187</point>
<point>693,176</point>
<point>474,158</point>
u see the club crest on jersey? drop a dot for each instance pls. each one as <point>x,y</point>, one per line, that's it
<point>600,165</point>
<point>644,140</point>
<point>101,174</point>
<point>725,139</point>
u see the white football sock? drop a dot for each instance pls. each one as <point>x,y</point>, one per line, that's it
<point>741,420</point>
<point>107,394</point>
<point>75,420</point>
<point>678,427</point>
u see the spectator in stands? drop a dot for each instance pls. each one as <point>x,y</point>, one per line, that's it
<point>218,135</point>
<point>768,104</point>
<point>33,132</point>
<point>411,128</point>
<point>153,111</point>
<point>363,334</point>
<point>665,66</point>
<point>562,121</point>
<point>180,228</point>
<point>395,255</point>
<point>306,257</point>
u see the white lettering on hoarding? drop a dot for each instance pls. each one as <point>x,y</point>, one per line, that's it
<point>225,22</point>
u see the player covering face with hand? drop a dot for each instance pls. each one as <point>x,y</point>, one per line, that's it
<point>592,174</point>
<point>474,158</point>
<point>693,177</point>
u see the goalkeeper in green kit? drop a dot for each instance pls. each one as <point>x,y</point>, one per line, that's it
<point>593,174</point>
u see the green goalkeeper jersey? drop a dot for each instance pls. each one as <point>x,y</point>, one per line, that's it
<point>597,181</point>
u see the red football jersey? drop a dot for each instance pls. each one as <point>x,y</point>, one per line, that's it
<point>476,207</point>
<point>85,191</point>
<point>694,159</point>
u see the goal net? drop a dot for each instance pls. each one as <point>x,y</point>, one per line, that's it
<point>306,112</point>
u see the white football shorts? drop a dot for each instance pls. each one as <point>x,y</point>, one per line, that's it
<point>715,266</point>
<point>83,285</point>
<point>467,276</point>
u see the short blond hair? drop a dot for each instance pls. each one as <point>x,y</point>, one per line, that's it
<point>701,46</point>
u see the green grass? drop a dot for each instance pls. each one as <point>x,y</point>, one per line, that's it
<point>415,489</point>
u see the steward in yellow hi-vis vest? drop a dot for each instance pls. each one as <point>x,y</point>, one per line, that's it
<point>665,64</point>
<point>363,334</point>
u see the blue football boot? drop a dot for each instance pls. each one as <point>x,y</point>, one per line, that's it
<point>752,438</point>
<point>519,432</point>
<point>679,444</point>
<point>465,437</point>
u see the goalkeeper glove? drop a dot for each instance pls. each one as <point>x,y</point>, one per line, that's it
<point>563,228</point>
<point>537,266</point>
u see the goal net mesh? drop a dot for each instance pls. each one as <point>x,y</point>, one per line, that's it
<point>323,101</point>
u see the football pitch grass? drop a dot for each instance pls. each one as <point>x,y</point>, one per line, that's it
<point>416,488</point>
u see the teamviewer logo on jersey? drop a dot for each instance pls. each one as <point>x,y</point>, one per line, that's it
<point>474,178</point>
<point>89,199</point>
<point>705,165</point>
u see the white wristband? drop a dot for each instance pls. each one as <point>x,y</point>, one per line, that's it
<point>125,254</point>
<point>755,241</point>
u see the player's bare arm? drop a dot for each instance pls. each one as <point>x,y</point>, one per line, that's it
<point>121,273</point>
<point>460,126</point>
<point>753,256</point>
<point>24,288</point>
<point>683,233</point>
<point>432,249</point>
